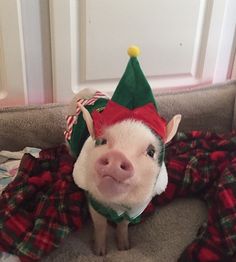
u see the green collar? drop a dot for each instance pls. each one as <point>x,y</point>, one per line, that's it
<point>110,213</point>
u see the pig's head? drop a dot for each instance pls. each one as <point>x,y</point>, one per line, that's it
<point>121,163</point>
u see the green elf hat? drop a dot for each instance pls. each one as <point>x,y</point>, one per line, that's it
<point>133,89</point>
<point>132,99</point>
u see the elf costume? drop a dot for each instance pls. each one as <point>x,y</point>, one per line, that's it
<point>133,99</point>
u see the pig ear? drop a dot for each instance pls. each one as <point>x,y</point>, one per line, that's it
<point>172,127</point>
<point>88,119</point>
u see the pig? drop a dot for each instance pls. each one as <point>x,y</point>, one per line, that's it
<point>120,170</point>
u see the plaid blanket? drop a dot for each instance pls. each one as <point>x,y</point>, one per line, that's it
<point>43,205</point>
<point>204,165</point>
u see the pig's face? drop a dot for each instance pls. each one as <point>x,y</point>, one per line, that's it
<point>122,165</point>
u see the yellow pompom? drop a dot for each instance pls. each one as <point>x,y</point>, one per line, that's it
<point>133,51</point>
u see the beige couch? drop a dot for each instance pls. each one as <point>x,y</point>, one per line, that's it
<point>162,237</point>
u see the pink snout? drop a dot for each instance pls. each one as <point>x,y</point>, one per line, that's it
<point>114,164</point>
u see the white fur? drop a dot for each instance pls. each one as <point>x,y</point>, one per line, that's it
<point>132,139</point>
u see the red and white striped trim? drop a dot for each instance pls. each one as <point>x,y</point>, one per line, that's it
<point>72,119</point>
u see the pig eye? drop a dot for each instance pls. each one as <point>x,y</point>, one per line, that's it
<point>100,141</point>
<point>151,151</point>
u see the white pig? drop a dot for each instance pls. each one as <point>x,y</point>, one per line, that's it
<point>120,170</point>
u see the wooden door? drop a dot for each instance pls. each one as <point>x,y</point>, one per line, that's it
<point>51,49</point>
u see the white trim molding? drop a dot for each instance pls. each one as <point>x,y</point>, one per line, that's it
<point>37,49</point>
<point>233,73</point>
<point>64,17</point>
<point>227,44</point>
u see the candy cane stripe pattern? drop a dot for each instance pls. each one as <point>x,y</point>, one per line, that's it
<point>72,119</point>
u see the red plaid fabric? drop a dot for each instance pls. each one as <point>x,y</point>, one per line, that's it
<point>43,204</point>
<point>204,165</point>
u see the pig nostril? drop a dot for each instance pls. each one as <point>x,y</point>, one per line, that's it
<point>104,161</point>
<point>122,166</point>
<point>125,166</point>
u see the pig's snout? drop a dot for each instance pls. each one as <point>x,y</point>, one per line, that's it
<point>115,165</point>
